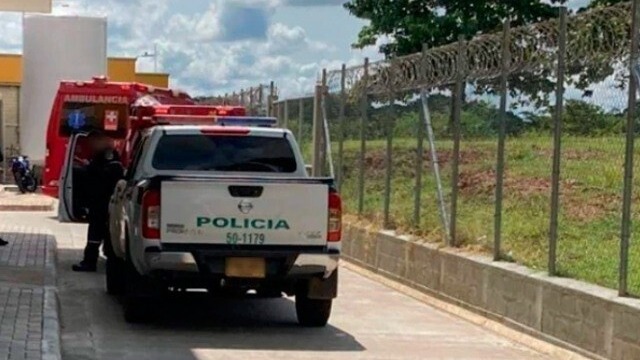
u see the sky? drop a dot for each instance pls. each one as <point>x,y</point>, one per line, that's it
<point>217,46</point>
<point>214,46</point>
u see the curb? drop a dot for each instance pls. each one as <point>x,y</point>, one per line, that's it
<point>27,208</point>
<point>51,321</point>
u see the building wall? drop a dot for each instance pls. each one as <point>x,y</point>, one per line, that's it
<point>157,80</point>
<point>121,69</point>
<point>9,135</point>
<point>10,69</point>
<point>118,69</point>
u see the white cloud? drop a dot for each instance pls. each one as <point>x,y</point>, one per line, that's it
<point>219,46</point>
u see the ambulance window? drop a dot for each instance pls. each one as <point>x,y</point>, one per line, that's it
<point>86,117</point>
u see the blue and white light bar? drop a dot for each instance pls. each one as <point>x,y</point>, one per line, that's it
<point>253,121</point>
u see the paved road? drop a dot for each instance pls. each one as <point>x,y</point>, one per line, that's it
<point>370,321</point>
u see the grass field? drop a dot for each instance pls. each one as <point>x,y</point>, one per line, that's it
<point>590,216</point>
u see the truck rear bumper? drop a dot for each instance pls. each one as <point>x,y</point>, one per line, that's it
<point>280,263</point>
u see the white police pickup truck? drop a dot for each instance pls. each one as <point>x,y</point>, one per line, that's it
<point>229,209</point>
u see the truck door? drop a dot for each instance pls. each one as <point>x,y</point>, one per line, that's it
<point>73,188</point>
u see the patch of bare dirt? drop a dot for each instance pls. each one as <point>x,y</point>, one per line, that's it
<point>578,202</point>
<point>569,154</point>
<point>484,183</point>
<point>404,161</point>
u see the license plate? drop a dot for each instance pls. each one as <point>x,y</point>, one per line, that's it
<point>245,268</point>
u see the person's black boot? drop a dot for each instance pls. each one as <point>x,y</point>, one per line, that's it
<point>84,267</point>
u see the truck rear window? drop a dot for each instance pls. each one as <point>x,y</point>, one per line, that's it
<point>224,153</point>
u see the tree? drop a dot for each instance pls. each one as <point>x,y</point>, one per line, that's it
<point>411,23</point>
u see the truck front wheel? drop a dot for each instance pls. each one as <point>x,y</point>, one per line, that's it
<point>313,312</point>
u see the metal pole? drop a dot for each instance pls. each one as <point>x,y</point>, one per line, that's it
<point>557,143</point>
<point>457,112</point>
<point>389,164</point>
<point>317,132</point>
<point>286,114</point>
<point>341,129</point>
<point>442,207</point>
<point>625,232</point>
<point>260,98</point>
<point>363,141</point>
<point>328,154</point>
<point>419,169</point>
<point>324,126</point>
<point>502,133</point>
<point>300,120</point>
<point>155,58</point>
<point>272,96</point>
<point>251,102</point>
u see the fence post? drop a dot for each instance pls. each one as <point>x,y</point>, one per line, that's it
<point>251,101</point>
<point>300,120</point>
<point>341,121</point>
<point>417,199</point>
<point>557,143</point>
<point>323,125</point>
<point>363,141</point>
<point>390,125</point>
<point>286,114</point>
<point>502,133</point>
<point>271,100</point>
<point>457,113</point>
<point>317,131</point>
<point>625,232</point>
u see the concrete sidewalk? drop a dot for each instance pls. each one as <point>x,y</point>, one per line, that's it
<point>12,200</point>
<point>29,326</point>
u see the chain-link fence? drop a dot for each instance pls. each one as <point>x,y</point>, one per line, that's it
<point>518,143</point>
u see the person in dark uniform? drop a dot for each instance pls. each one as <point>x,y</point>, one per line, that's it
<point>103,172</point>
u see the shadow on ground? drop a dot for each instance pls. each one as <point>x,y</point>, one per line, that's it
<point>186,321</point>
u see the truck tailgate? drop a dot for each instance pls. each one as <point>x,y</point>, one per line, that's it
<point>244,213</point>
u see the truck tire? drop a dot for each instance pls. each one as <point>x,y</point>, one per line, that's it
<point>136,309</point>
<point>313,312</point>
<point>115,278</point>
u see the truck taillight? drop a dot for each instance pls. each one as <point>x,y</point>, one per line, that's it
<point>334,231</point>
<point>151,214</point>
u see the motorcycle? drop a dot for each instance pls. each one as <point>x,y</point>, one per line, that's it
<point>23,174</point>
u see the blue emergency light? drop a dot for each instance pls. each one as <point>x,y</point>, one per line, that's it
<point>246,121</point>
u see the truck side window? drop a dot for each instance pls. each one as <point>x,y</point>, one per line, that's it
<point>136,154</point>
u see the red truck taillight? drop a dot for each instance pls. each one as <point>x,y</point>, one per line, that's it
<point>151,214</point>
<point>334,231</point>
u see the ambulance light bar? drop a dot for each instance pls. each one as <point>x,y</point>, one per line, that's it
<point>246,121</point>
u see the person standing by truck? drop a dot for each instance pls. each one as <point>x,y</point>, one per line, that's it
<point>103,172</point>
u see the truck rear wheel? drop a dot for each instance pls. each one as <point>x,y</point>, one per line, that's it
<point>313,312</point>
<point>115,278</point>
<point>137,304</point>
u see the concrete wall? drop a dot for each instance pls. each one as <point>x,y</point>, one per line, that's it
<point>583,317</point>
